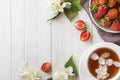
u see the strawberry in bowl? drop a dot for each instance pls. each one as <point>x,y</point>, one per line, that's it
<point>106,14</point>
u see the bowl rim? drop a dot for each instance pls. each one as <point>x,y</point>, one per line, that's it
<point>91,16</point>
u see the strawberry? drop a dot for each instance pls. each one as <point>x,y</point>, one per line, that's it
<point>115,26</point>
<point>85,35</point>
<point>80,25</point>
<point>94,5</point>
<point>95,2</point>
<point>102,1</point>
<point>102,9</point>
<point>46,67</point>
<point>119,17</point>
<point>119,9</point>
<point>98,15</point>
<point>105,22</point>
<point>112,3</point>
<point>112,13</point>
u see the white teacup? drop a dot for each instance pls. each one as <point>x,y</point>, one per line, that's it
<point>85,58</point>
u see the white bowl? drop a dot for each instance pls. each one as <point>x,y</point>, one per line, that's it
<point>83,65</point>
<point>97,24</point>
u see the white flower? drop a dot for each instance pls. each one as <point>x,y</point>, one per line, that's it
<point>66,5</point>
<point>69,70</point>
<point>62,73</point>
<point>101,61</point>
<point>105,55</point>
<point>58,6</point>
<point>116,63</point>
<point>22,68</point>
<point>27,73</point>
<point>94,56</point>
<point>109,62</point>
<point>60,76</point>
<point>102,72</point>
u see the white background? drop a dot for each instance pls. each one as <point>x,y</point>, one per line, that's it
<point>26,36</point>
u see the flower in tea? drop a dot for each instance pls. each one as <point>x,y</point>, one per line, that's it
<point>116,63</point>
<point>106,55</point>
<point>101,61</point>
<point>94,56</point>
<point>109,62</point>
<point>102,72</point>
<point>104,61</point>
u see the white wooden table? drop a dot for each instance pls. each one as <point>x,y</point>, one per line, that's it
<point>26,36</point>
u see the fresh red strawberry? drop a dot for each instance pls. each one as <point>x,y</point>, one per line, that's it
<point>85,35</point>
<point>95,2</point>
<point>106,22</point>
<point>98,15</point>
<point>112,3</point>
<point>102,9</point>
<point>46,67</point>
<point>115,26</point>
<point>112,13</point>
<point>119,17</point>
<point>94,6</point>
<point>80,24</point>
<point>102,1</point>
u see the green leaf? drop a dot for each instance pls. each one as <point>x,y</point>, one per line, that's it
<point>94,8</point>
<point>71,63</point>
<point>73,11</point>
<point>49,79</point>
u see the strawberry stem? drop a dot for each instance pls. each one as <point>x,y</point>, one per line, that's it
<point>94,8</point>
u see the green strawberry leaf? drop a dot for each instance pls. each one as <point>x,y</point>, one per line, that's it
<point>71,63</point>
<point>94,8</point>
<point>49,79</point>
<point>73,11</point>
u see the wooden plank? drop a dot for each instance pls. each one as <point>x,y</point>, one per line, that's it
<point>95,36</point>
<point>17,35</point>
<point>44,36</point>
<point>31,32</point>
<point>5,57</point>
<point>66,40</point>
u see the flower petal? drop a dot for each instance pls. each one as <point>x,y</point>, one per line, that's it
<point>66,5</point>
<point>69,70</point>
<point>60,76</point>
<point>55,76</point>
<point>106,55</point>
<point>102,72</point>
<point>63,76</point>
<point>101,61</point>
<point>61,9</point>
<point>24,75</point>
<point>109,62</point>
<point>116,63</point>
<point>94,56</point>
